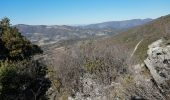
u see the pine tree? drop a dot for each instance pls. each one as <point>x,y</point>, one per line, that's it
<point>18,46</point>
<point>21,77</point>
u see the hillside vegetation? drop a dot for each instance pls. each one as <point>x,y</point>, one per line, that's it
<point>103,69</point>
<point>81,69</point>
<point>150,32</point>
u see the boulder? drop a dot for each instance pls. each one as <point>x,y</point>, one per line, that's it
<point>158,63</point>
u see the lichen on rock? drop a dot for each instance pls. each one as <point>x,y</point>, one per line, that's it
<point>158,63</point>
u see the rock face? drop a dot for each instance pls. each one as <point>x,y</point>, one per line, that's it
<point>158,62</point>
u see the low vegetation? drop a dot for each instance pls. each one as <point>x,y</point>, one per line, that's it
<point>107,62</point>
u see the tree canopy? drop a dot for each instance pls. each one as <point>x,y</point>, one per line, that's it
<point>21,76</point>
<point>13,45</point>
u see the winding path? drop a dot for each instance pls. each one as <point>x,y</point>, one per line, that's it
<point>136,47</point>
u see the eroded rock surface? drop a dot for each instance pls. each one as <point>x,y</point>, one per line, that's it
<point>158,62</point>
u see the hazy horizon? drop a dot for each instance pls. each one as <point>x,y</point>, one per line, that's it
<point>76,12</point>
<point>86,24</point>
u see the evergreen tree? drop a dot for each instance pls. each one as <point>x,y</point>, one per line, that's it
<point>18,46</point>
<point>21,77</point>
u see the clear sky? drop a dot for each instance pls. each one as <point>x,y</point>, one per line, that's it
<point>70,12</point>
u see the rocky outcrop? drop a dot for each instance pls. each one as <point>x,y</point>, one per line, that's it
<point>158,63</point>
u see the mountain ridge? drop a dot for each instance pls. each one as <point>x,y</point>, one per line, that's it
<point>149,32</point>
<point>42,34</point>
<point>119,24</point>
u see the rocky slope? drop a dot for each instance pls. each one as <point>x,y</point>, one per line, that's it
<point>139,83</point>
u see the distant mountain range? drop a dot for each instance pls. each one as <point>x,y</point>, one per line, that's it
<point>119,24</point>
<point>44,34</point>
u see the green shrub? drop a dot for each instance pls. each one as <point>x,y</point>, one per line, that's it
<point>13,45</point>
<point>94,66</point>
<point>21,78</point>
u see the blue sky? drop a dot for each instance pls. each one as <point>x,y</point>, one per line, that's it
<point>70,12</point>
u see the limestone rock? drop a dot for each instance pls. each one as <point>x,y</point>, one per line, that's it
<point>158,62</point>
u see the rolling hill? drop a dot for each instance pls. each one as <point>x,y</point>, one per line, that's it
<point>44,34</point>
<point>148,33</point>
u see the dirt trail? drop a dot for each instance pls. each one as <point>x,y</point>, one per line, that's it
<point>136,47</point>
